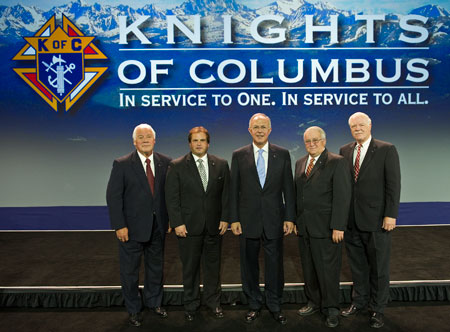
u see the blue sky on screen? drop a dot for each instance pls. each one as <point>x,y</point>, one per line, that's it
<point>368,6</point>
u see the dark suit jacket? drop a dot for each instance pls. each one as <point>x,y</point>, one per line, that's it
<point>257,208</point>
<point>323,198</point>
<point>376,193</point>
<point>188,203</point>
<point>129,198</point>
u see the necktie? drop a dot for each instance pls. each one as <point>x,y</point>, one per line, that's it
<point>150,177</point>
<point>310,167</point>
<point>202,171</point>
<point>261,167</point>
<point>357,159</point>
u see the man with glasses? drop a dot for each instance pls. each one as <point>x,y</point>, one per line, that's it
<point>262,210</point>
<point>323,189</point>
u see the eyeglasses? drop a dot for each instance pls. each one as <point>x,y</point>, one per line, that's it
<point>259,127</point>
<point>313,141</point>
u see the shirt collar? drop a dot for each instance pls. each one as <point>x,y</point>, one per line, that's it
<point>143,158</point>
<point>315,158</point>
<point>204,158</point>
<point>365,145</point>
<point>265,148</point>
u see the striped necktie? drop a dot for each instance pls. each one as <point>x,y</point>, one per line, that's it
<point>357,160</point>
<point>310,167</point>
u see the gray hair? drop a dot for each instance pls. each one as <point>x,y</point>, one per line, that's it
<point>256,115</point>
<point>359,114</point>
<point>320,130</point>
<point>143,125</point>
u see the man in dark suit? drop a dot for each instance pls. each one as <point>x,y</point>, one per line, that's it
<point>137,211</point>
<point>375,169</point>
<point>197,187</point>
<point>262,207</point>
<point>323,188</point>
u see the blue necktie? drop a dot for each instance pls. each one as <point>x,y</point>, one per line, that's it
<point>261,168</point>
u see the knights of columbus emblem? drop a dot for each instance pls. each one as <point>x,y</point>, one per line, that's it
<point>59,53</point>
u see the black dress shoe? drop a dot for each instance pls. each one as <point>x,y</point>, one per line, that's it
<point>160,311</point>
<point>307,310</point>
<point>217,312</point>
<point>332,321</point>
<point>350,311</point>
<point>135,319</point>
<point>189,316</point>
<point>376,320</point>
<point>279,317</point>
<point>251,315</point>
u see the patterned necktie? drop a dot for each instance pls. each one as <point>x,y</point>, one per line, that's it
<point>150,177</point>
<point>357,159</point>
<point>310,167</point>
<point>261,167</point>
<point>202,171</point>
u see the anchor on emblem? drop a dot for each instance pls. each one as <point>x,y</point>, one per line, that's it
<point>59,81</point>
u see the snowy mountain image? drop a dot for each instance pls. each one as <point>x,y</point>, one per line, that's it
<point>102,21</point>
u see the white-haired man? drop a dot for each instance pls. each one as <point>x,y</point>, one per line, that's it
<point>137,211</point>
<point>375,169</point>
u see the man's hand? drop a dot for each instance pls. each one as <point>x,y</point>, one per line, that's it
<point>288,227</point>
<point>236,228</point>
<point>223,227</point>
<point>181,231</point>
<point>337,236</point>
<point>389,223</point>
<point>122,234</point>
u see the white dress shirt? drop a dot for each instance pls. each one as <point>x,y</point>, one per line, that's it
<point>152,163</point>
<point>364,148</point>
<point>314,162</point>
<point>265,155</point>
<point>205,164</point>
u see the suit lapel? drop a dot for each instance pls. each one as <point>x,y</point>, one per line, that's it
<point>140,172</point>
<point>272,157</point>
<point>303,167</point>
<point>193,169</point>
<point>157,174</point>
<point>367,158</point>
<point>301,170</point>
<point>348,154</point>
<point>319,163</point>
<point>250,156</point>
<point>212,172</point>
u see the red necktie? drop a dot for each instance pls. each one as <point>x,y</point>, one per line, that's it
<point>150,177</point>
<point>356,166</point>
<point>310,167</point>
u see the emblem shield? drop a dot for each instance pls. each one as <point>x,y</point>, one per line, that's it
<point>60,73</point>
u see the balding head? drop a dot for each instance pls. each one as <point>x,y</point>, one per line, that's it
<point>315,141</point>
<point>259,116</point>
<point>260,127</point>
<point>316,128</point>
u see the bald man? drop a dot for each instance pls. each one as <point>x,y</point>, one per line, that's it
<point>262,210</point>
<point>323,189</point>
<point>375,171</point>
